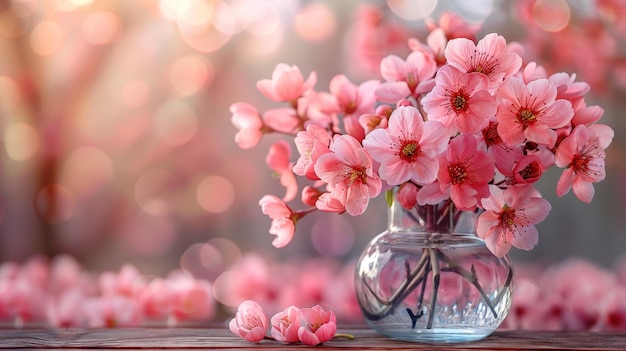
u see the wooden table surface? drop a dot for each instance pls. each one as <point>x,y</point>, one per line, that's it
<point>220,338</point>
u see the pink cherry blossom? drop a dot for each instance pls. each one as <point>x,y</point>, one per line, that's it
<point>503,154</point>
<point>193,298</point>
<point>568,89</point>
<point>353,101</point>
<point>583,160</point>
<point>311,144</point>
<point>158,299</point>
<point>532,71</point>
<point>67,310</point>
<point>254,277</point>
<point>331,202</point>
<point>435,45</point>
<point>370,122</point>
<point>282,120</point>
<point>314,281</point>
<point>112,311</point>
<point>318,326</point>
<point>349,169</point>
<point>127,282</point>
<point>510,217</point>
<point>379,119</point>
<point>408,148</point>
<point>406,78</point>
<point>464,172</point>
<point>247,119</point>
<point>285,325</point>
<point>531,112</point>
<point>528,169</point>
<point>612,314</point>
<point>587,115</point>
<point>490,57</point>
<point>66,274</point>
<point>602,134</point>
<point>283,225</point>
<point>432,194</point>
<point>316,108</point>
<point>278,159</point>
<point>250,322</point>
<point>287,84</point>
<point>310,195</point>
<point>460,100</point>
<point>407,195</point>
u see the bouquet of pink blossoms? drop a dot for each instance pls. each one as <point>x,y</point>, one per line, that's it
<point>457,121</point>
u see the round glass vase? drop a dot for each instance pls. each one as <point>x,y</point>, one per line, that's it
<point>429,278</point>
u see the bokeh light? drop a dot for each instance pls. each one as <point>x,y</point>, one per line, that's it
<point>258,17</point>
<point>475,11</point>
<point>10,26</point>
<point>47,38</point>
<point>551,15</point>
<point>189,74</point>
<point>229,250</point>
<point>135,93</point>
<point>315,22</point>
<point>225,20</point>
<point>149,191</point>
<point>197,15</point>
<point>102,28</point>
<point>55,203</point>
<point>175,122</point>
<point>72,5</point>
<point>202,260</point>
<point>215,194</point>
<point>221,290</point>
<point>172,9</point>
<point>147,235</point>
<point>10,96</point>
<point>24,8</point>
<point>86,170</point>
<point>332,237</point>
<point>21,141</point>
<point>412,9</point>
<point>195,24</point>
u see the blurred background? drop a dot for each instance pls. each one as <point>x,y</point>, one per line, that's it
<point>117,144</point>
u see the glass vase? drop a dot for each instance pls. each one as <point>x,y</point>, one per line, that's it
<point>429,278</point>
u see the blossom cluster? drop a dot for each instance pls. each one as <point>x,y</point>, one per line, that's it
<point>575,294</point>
<point>311,326</point>
<point>458,120</point>
<point>60,293</point>
<point>297,281</point>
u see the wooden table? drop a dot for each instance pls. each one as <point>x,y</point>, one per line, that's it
<point>220,338</point>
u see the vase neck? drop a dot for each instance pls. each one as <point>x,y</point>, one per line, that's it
<point>432,219</point>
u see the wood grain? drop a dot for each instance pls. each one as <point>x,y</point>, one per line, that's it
<point>219,338</point>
